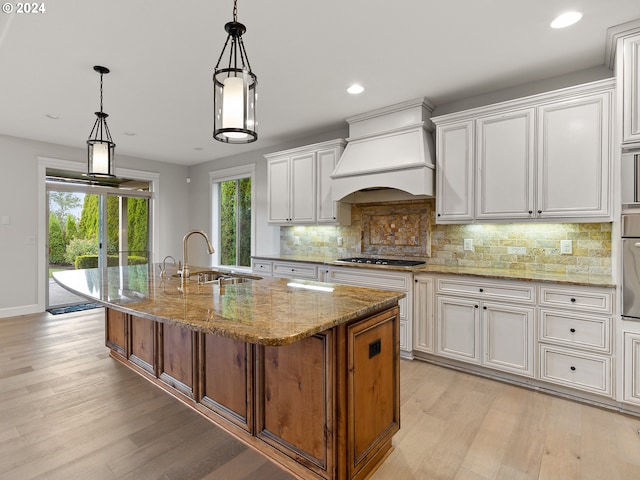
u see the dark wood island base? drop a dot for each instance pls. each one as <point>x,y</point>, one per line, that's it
<point>325,407</point>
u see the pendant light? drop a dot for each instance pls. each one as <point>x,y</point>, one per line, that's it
<point>234,90</point>
<point>100,147</point>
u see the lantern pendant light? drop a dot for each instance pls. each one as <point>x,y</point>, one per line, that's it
<point>100,146</point>
<point>234,90</point>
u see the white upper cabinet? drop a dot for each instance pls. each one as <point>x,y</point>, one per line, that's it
<point>631,91</point>
<point>299,185</point>
<point>291,189</point>
<point>454,167</point>
<point>328,211</point>
<point>302,189</point>
<point>279,174</point>
<point>545,157</point>
<point>573,157</point>
<point>505,146</point>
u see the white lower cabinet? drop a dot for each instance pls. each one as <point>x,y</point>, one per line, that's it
<point>574,335</point>
<point>423,313</point>
<point>275,268</point>
<point>498,336</point>
<point>632,367</point>
<point>308,271</point>
<point>384,280</point>
<point>584,371</point>
<point>480,326</point>
<point>458,327</point>
<point>508,338</point>
<point>261,267</point>
<point>552,334</point>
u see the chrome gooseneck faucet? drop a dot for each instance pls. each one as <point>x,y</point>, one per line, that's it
<point>184,273</point>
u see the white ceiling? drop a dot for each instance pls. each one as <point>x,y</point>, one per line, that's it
<point>305,53</point>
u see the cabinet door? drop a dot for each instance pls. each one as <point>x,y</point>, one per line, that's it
<point>143,343</point>
<point>458,334</point>
<point>226,378</point>
<point>423,314</point>
<point>573,157</point>
<point>176,358</point>
<point>115,331</point>
<point>278,190</point>
<point>632,367</point>
<point>294,400</point>
<point>631,90</point>
<point>328,210</point>
<point>505,154</point>
<point>303,188</point>
<point>508,338</point>
<point>454,196</point>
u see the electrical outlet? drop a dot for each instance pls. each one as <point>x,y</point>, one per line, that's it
<point>468,244</point>
<point>566,247</point>
<point>30,240</point>
<point>340,241</point>
<point>517,250</point>
<point>296,240</point>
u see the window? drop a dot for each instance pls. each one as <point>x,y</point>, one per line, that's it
<point>232,214</point>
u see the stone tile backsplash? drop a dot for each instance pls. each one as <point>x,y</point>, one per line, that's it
<point>408,229</point>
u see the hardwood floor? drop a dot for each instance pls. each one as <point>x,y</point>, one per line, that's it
<point>68,411</point>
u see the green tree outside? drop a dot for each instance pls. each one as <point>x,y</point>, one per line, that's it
<point>60,203</point>
<point>88,226</point>
<point>70,229</point>
<point>235,222</point>
<point>57,246</point>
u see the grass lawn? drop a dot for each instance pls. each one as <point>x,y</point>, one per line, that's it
<point>56,269</point>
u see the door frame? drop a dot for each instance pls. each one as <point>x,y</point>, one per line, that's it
<point>43,220</point>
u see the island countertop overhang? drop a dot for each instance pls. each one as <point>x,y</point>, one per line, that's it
<point>270,311</point>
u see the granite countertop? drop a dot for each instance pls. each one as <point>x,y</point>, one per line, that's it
<point>270,311</point>
<point>582,279</point>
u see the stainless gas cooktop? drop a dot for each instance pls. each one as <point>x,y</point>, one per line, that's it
<point>383,261</point>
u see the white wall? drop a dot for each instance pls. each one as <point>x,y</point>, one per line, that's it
<point>268,237</point>
<point>554,83</point>
<point>21,288</point>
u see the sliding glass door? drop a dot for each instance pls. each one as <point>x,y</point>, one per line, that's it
<point>94,226</point>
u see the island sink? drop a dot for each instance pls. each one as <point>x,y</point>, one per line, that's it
<point>220,277</point>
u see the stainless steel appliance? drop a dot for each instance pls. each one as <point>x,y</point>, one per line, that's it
<point>384,261</point>
<point>630,174</point>
<point>631,267</point>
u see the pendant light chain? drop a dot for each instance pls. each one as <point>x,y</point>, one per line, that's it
<point>101,92</point>
<point>235,10</point>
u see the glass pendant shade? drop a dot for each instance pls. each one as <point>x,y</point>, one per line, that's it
<point>100,146</point>
<point>235,106</point>
<point>234,90</point>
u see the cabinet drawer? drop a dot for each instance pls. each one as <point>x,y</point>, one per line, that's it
<point>586,299</point>
<point>288,270</point>
<point>576,331</point>
<point>522,293</point>
<point>586,372</point>
<point>370,278</point>
<point>258,266</point>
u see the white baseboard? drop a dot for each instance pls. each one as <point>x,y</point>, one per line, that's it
<point>23,310</point>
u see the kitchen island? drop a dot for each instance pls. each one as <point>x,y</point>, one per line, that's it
<point>305,372</point>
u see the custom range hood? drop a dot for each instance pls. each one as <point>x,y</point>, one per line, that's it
<point>389,153</point>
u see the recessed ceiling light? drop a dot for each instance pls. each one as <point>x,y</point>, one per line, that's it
<point>355,89</point>
<point>198,148</point>
<point>130,134</point>
<point>566,19</point>
<point>52,116</point>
